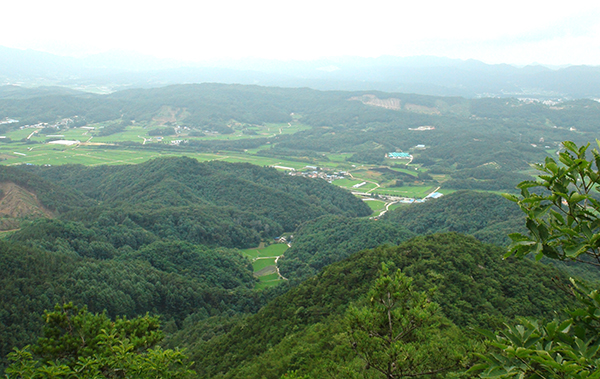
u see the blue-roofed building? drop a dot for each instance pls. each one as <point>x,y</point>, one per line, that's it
<point>395,155</point>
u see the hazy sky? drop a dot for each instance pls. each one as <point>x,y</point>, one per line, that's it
<point>517,32</point>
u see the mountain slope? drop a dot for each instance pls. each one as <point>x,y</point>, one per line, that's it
<point>185,182</point>
<point>487,216</point>
<point>475,287</point>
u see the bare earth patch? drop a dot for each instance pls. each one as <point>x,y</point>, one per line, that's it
<point>17,203</point>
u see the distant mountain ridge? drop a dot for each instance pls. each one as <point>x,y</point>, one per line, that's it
<point>423,74</point>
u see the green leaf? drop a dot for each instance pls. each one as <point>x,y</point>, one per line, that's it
<point>571,146</point>
<point>573,251</point>
<point>510,197</point>
<point>557,216</point>
<point>517,237</point>
<point>566,159</point>
<point>538,251</point>
<point>539,212</point>
<point>528,184</point>
<point>576,198</point>
<point>551,165</point>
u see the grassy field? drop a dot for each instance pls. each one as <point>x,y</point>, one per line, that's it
<point>40,154</point>
<point>375,205</point>
<point>348,183</point>
<point>412,172</point>
<point>139,132</point>
<point>270,277</point>
<point>266,264</point>
<point>273,250</point>
<point>407,191</point>
<point>262,263</point>
<point>340,158</point>
<point>266,283</point>
<point>395,205</point>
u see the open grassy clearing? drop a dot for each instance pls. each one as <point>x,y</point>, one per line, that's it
<point>268,281</point>
<point>254,151</point>
<point>365,174</point>
<point>339,157</point>
<point>350,183</point>
<point>375,205</point>
<point>18,134</point>
<point>286,128</point>
<point>269,270</point>
<point>395,205</point>
<point>408,171</point>
<point>270,277</point>
<point>93,155</point>
<point>276,249</point>
<point>265,284</point>
<point>262,161</point>
<point>273,250</point>
<point>40,154</point>
<point>406,191</point>
<point>265,268</point>
<point>262,263</point>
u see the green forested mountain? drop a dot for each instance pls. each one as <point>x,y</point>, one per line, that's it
<point>330,239</point>
<point>303,329</point>
<point>185,199</point>
<point>129,247</point>
<point>487,216</point>
<point>169,279</point>
<point>162,236</point>
<point>52,196</point>
<point>150,238</point>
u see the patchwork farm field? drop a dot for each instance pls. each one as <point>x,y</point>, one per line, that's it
<point>406,191</point>
<point>42,154</point>
<point>264,263</point>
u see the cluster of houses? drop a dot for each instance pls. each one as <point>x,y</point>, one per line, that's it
<point>314,172</point>
<point>8,121</point>
<point>64,123</point>
<point>423,128</point>
<point>410,200</point>
<point>532,100</point>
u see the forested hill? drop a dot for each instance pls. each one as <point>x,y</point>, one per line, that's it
<point>305,332</point>
<point>155,237</point>
<point>55,197</point>
<point>329,239</point>
<point>487,216</point>
<point>187,183</point>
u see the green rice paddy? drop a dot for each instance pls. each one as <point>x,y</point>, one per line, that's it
<point>375,205</point>
<point>263,263</point>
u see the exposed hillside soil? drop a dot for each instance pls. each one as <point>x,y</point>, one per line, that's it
<point>372,100</point>
<point>17,203</point>
<point>169,114</point>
